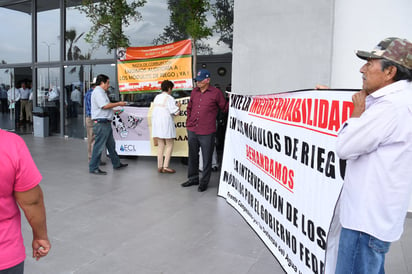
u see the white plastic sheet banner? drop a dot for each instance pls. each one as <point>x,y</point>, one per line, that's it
<point>132,131</point>
<point>281,173</point>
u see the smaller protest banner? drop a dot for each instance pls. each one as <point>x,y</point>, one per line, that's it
<point>132,131</point>
<point>145,68</point>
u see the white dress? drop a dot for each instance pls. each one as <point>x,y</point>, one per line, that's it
<point>164,108</point>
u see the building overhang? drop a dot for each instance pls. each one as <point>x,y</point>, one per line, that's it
<point>42,5</point>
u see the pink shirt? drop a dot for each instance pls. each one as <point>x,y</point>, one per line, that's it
<point>18,172</point>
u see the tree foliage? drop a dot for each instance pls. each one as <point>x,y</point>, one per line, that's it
<point>108,19</point>
<point>222,10</point>
<point>187,20</point>
<point>73,51</point>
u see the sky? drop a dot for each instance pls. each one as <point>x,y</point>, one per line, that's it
<point>155,17</point>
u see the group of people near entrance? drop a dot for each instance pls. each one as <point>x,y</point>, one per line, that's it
<point>203,107</point>
<point>376,142</point>
<point>21,100</point>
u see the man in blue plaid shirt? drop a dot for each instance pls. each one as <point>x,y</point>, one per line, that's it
<point>89,123</point>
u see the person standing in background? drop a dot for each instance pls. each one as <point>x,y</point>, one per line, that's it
<point>102,116</point>
<point>13,95</point>
<point>3,99</point>
<point>54,109</point>
<point>31,101</point>
<point>25,107</point>
<point>163,126</point>
<point>204,104</point>
<point>76,98</point>
<point>19,186</point>
<point>89,123</point>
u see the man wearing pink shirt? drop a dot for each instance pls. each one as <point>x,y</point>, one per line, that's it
<point>19,186</point>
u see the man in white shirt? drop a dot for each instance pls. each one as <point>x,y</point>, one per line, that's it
<point>25,107</point>
<point>102,116</point>
<point>377,144</point>
<point>13,95</point>
<point>76,98</point>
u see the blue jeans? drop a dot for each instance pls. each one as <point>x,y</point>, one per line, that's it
<point>360,253</point>
<point>103,138</point>
<point>207,143</point>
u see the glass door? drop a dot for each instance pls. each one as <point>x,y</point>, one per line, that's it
<point>7,105</point>
<point>77,80</point>
<point>49,95</point>
<point>77,83</point>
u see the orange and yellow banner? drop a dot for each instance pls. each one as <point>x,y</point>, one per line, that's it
<point>145,68</point>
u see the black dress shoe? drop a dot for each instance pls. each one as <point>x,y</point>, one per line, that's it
<point>98,172</point>
<point>202,188</point>
<point>121,166</point>
<point>189,183</point>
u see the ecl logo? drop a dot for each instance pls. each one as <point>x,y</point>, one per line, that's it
<point>127,148</point>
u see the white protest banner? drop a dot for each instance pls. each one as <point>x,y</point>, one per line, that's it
<point>132,131</point>
<point>281,173</point>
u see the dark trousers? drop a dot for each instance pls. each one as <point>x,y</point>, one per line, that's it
<point>54,114</point>
<point>17,269</point>
<point>75,110</point>
<point>17,111</point>
<point>103,138</point>
<point>207,143</point>
<point>4,105</point>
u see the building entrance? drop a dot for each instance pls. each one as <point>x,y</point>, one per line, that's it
<point>16,104</point>
<point>78,80</point>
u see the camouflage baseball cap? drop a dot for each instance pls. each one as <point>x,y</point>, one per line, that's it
<point>393,49</point>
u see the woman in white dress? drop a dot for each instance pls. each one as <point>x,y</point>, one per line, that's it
<point>163,126</point>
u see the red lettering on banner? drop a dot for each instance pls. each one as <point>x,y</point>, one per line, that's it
<point>281,173</point>
<point>334,118</point>
<point>325,115</point>
<point>296,117</point>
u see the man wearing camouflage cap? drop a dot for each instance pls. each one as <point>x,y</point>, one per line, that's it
<point>377,144</point>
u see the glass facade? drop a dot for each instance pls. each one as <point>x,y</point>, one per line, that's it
<point>7,89</point>
<point>58,66</point>
<point>78,78</point>
<point>15,33</point>
<point>77,26</point>
<point>48,35</point>
<point>43,45</point>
